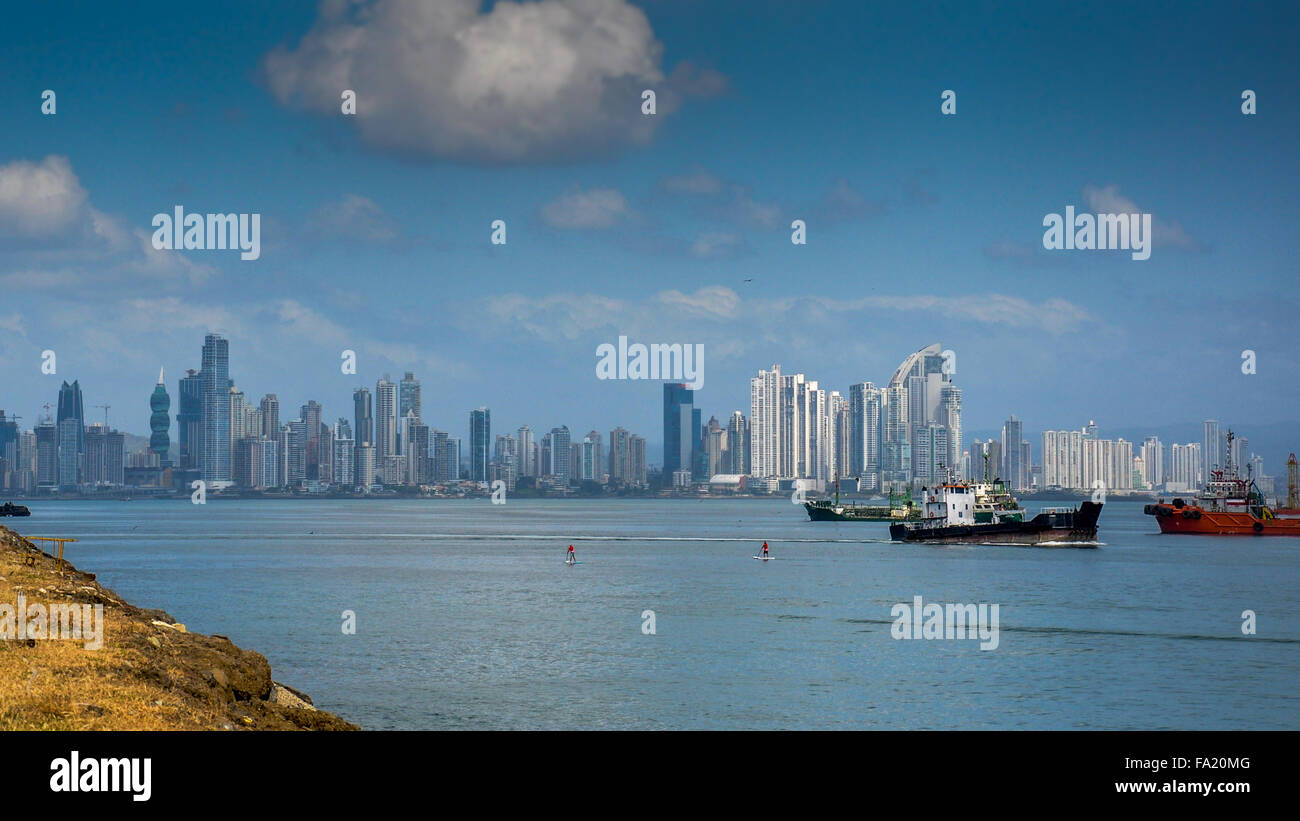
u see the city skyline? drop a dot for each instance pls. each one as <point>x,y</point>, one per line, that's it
<point>908,432</point>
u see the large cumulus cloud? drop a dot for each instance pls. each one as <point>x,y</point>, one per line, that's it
<point>553,80</point>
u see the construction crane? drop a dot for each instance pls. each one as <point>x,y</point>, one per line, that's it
<point>105,407</point>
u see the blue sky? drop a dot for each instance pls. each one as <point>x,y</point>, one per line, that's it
<point>922,227</point>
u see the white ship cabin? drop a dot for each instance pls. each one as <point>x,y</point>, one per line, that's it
<point>949,504</point>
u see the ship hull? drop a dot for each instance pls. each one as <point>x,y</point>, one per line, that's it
<point>847,513</point>
<point>1076,528</point>
<point>1193,519</point>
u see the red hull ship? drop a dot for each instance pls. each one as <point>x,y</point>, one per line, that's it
<point>1227,505</point>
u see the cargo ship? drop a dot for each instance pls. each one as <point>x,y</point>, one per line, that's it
<point>1229,505</point>
<point>900,509</point>
<point>986,513</point>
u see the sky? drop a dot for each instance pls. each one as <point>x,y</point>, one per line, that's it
<point>671,228</point>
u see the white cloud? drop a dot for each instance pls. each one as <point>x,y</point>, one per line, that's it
<point>714,244</point>
<point>555,79</point>
<point>39,200</point>
<point>1108,200</point>
<point>13,323</point>
<point>596,208</point>
<point>352,217</point>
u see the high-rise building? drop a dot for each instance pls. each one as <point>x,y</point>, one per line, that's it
<point>105,457</point>
<point>1153,461</point>
<point>766,423</point>
<point>47,453</point>
<point>270,410</point>
<point>715,447</point>
<point>864,433</point>
<point>1240,453</point>
<point>1012,467</point>
<point>365,465</point>
<point>310,414</point>
<point>189,419</point>
<point>363,415</point>
<point>593,458</point>
<point>620,455</point>
<point>839,434</point>
<point>950,417</point>
<point>385,420</point>
<point>738,443</point>
<point>480,438</point>
<point>1211,448</point>
<point>561,454</point>
<point>214,455</point>
<point>71,437</point>
<point>408,396</point>
<point>160,422</point>
<point>638,471</point>
<point>527,452</point>
<point>681,428</point>
<point>70,407</point>
<point>930,454</point>
<point>344,456</point>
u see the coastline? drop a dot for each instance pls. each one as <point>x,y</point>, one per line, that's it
<point>149,674</point>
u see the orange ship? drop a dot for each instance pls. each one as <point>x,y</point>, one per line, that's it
<point>1227,505</point>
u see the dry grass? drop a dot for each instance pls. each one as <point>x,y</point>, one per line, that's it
<point>145,677</point>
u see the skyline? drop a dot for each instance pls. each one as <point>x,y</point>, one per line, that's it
<point>799,430</point>
<point>671,228</point>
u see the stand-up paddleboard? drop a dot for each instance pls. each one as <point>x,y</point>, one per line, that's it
<point>572,562</point>
<point>763,558</point>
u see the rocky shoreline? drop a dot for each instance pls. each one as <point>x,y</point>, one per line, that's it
<point>150,673</point>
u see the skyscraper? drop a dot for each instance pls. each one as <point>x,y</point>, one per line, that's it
<point>527,452</point>
<point>408,396</point>
<point>214,457</point>
<point>950,417</point>
<point>560,453</point>
<point>738,444</point>
<point>363,417</point>
<point>70,407</point>
<point>864,433</point>
<point>189,419</point>
<point>1012,467</point>
<point>681,428</point>
<point>1211,448</point>
<point>480,438</point>
<point>159,422</point>
<point>620,454</point>
<point>385,420</point>
<point>270,409</point>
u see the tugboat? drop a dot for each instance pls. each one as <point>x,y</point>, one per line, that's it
<point>1229,505</point>
<point>11,509</point>
<point>985,513</point>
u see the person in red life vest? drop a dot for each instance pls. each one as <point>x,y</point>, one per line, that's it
<point>572,558</point>
<point>765,548</point>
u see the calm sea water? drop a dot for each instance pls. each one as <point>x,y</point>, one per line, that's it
<point>467,616</point>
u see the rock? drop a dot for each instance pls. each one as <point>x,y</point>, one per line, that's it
<point>286,697</point>
<point>155,642</point>
<point>219,678</point>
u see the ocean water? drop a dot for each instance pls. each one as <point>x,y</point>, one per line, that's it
<point>468,617</point>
